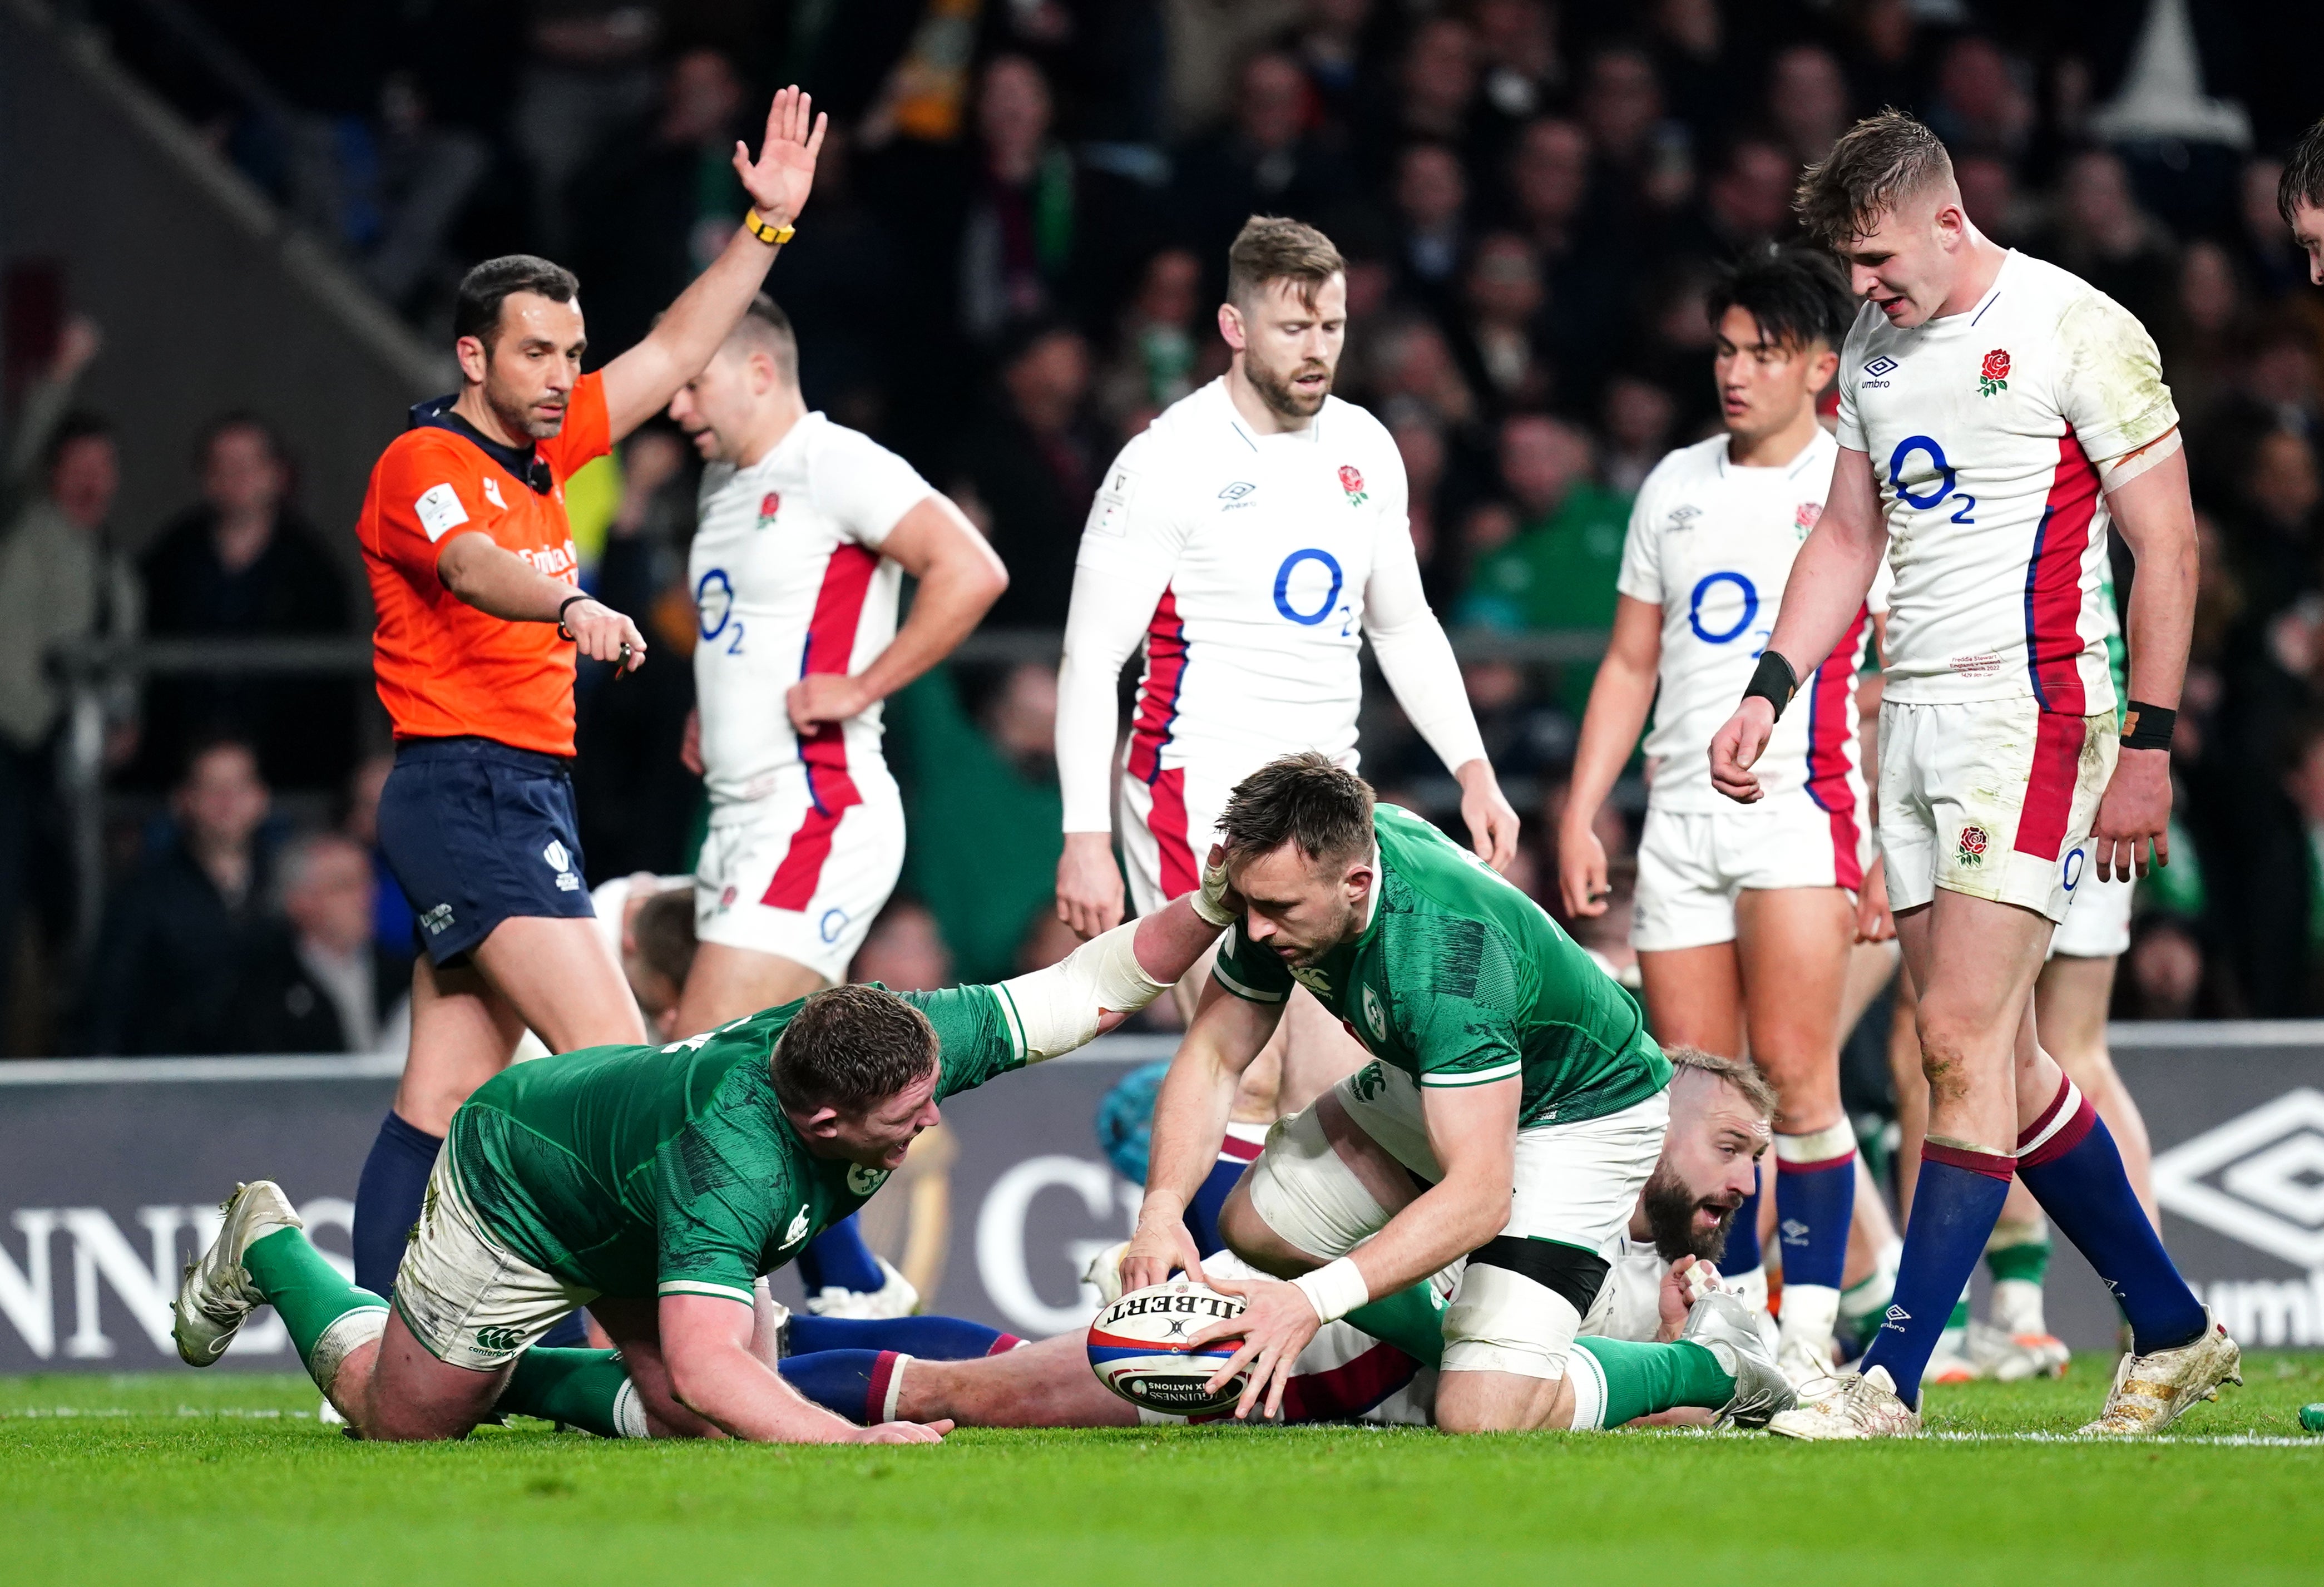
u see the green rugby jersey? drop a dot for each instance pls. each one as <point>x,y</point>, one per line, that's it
<point>1460,979</point>
<point>658,1170</point>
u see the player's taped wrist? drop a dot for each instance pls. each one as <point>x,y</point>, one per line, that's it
<point>1774,681</point>
<point>1334,1289</point>
<point>1209,900</point>
<point>2147,727</point>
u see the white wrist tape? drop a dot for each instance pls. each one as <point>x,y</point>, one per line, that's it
<point>1058,1009</point>
<point>1207,900</point>
<point>1334,1289</point>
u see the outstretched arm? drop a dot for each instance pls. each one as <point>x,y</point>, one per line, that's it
<point>706,1343</point>
<point>1114,974</point>
<point>640,383</point>
<point>1829,579</point>
<point>485,575</point>
<point>2157,520</point>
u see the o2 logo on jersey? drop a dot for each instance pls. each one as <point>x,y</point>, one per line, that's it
<point>833,923</point>
<point>1297,585</point>
<point>713,610</point>
<point>2070,870</point>
<point>1944,476</point>
<point>1705,586</point>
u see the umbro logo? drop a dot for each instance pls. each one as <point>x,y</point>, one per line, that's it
<point>1683,515</point>
<point>1794,1232</point>
<point>1880,366</point>
<point>1897,1313</point>
<point>1237,491</point>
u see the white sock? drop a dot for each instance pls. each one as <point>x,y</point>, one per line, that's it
<point>629,1413</point>
<point>2018,1306</point>
<point>1752,1285</point>
<point>1809,1314</point>
<point>1589,1380</point>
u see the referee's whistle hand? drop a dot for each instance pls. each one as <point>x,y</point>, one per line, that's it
<point>604,634</point>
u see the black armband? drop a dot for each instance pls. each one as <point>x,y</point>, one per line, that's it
<point>1773,682</point>
<point>2147,727</point>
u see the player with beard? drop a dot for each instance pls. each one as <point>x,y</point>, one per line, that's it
<point>1253,537</point>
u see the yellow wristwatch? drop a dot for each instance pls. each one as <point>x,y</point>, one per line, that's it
<point>775,235</point>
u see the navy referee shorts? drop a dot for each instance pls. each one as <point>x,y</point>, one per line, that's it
<point>478,832</point>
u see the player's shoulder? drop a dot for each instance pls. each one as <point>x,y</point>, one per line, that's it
<point>826,442</point>
<point>1353,424</point>
<point>1683,468</point>
<point>1439,880</point>
<point>430,450</point>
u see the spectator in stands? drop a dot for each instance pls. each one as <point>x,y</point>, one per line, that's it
<point>2166,970</point>
<point>1645,158</point>
<point>184,929</point>
<point>1524,71</point>
<point>1499,347</point>
<point>840,285</point>
<point>1264,162</point>
<point>1638,419</point>
<point>2266,252</point>
<point>425,174</point>
<point>1747,201</point>
<point>905,950</point>
<point>319,980</point>
<point>391,916</point>
<point>243,564</point>
<point>1583,258</point>
<point>2100,233</point>
<point>2275,534</point>
<point>1808,101</point>
<point>1886,52</point>
<point>1698,66</point>
<point>1433,98</point>
<point>1156,344</point>
<point>1431,194</point>
<point>588,73</point>
<point>1021,719</point>
<point>1034,460</point>
<point>2200,332</point>
<point>1017,250</point>
<point>1989,194</point>
<point>1984,102</point>
<point>657,205</point>
<point>1327,44</point>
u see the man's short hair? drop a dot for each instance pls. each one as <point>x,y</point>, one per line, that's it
<point>764,328</point>
<point>1271,249</point>
<point>76,426</point>
<point>225,424</point>
<point>295,860</point>
<point>2302,182</point>
<point>1877,162</point>
<point>477,311</point>
<point>664,930</point>
<point>1303,800</point>
<point>850,1048</point>
<point>1738,1072</point>
<point>1794,295</point>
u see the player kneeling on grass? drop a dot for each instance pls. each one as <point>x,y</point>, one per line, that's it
<point>653,1185</point>
<point>1661,1341</point>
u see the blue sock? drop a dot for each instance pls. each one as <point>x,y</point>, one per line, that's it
<point>387,1200</point>
<point>2075,1171</point>
<point>1742,1253</point>
<point>570,1334</point>
<point>935,1339</point>
<point>852,1383</point>
<point>1955,1204</point>
<point>1814,1200</point>
<point>1202,1212</point>
<point>838,1256</point>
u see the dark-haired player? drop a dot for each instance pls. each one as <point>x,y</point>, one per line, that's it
<point>1745,916</point>
<point>1996,414</point>
<point>655,1186</point>
<point>2300,197</point>
<point>474,577</point>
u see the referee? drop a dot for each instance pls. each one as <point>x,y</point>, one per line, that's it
<point>474,577</point>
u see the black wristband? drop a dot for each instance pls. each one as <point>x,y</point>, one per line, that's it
<point>564,606</point>
<point>2147,727</point>
<point>1773,682</point>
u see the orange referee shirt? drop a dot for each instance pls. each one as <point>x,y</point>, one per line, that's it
<point>446,670</point>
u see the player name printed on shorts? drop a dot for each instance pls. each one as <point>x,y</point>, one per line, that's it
<point>1142,1348</point>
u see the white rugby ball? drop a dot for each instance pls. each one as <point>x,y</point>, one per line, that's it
<point>1141,1347</point>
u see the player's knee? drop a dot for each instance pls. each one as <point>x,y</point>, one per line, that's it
<point>1249,1236</point>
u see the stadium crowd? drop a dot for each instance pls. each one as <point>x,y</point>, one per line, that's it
<point>1019,239</point>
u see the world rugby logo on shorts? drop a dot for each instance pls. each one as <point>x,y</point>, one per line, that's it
<point>560,859</point>
<point>1971,852</point>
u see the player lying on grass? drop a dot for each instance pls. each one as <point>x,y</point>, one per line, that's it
<point>654,1185</point>
<point>1658,1339</point>
<point>1510,1076</point>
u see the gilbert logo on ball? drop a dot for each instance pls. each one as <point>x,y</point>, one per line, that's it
<point>1141,1347</point>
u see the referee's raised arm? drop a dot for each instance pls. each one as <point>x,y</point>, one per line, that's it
<point>640,383</point>
<point>476,582</point>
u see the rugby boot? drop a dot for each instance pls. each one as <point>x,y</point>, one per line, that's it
<point>1725,1325</point>
<point>896,1298</point>
<point>2151,1391</point>
<point>2010,1358</point>
<point>1854,1406</point>
<point>218,1293</point>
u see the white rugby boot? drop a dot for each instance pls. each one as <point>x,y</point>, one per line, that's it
<point>217,1295</point>
<point>1856,1406</point>
<point>894,1298</point>
<point>1104,1272</point>
<point>2151,1391</point>
<point>2011,1357</point>
<point>1725,1325</point>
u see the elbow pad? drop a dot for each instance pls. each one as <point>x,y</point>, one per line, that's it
<point>1058,1009</point>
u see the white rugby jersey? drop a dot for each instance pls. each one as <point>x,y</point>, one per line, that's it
<point>1711,543</point>
<point>1252,565</point>
<point>788,580</point>
<point>1985,430</point>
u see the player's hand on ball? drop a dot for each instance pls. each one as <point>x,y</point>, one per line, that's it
<point>2134,814</point>
<point>1160,1246</point>
<point>905,1432</point>
<point>825,696</point>
<point>1737,747</point>
<point>604,634</point>
<point>1276,1325</point>
<point>778,180</point>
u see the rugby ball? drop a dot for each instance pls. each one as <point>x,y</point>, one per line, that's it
<point>1140,1347</point>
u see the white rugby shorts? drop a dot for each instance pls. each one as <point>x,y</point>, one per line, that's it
<point>2097,927</point>
<point>1168,827</point>
<point>1693,863</point>
<point>800,877</point>
<point>1576,1186</point>
<point>469,1300</point>
<point>1994,799</point>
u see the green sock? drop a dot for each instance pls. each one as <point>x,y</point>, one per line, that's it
<point>300,1284</point>
<point>1412,1320</point>
<point>2028,1260</point>
<point>1632,1380</point>
<point>583,1389</point>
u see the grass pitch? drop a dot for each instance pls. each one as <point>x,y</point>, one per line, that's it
<point>194,1479</point>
